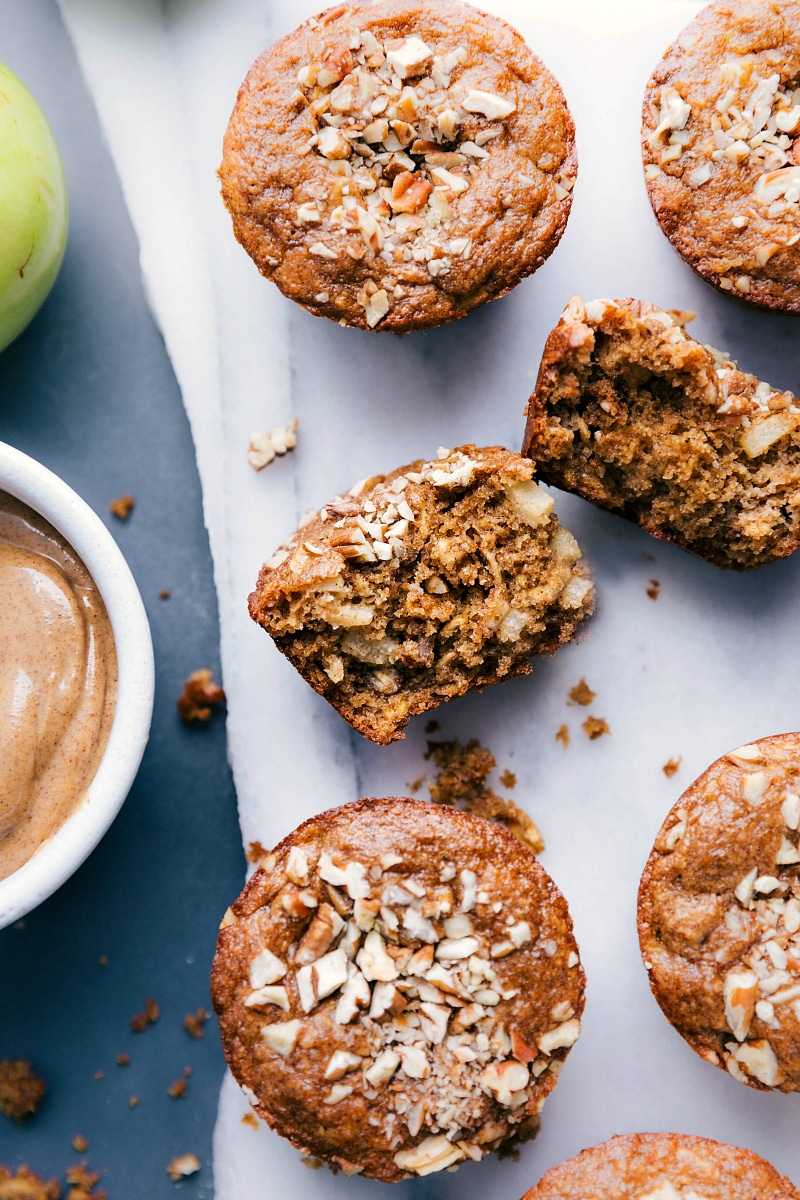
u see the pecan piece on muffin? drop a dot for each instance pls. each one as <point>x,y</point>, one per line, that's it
<point>721,149</point>
<point>420,585</point>
<point>398,987</point>
<point>719,914</point>
<point>663,1166</point>
<point>392,166</point>
<point>632,413</point>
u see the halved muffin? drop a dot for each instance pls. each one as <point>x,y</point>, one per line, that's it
<point>417,586</point>
<point>632,413</point>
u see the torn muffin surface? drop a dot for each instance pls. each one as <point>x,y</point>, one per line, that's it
<point>420,585</point>
<point>632,413</point>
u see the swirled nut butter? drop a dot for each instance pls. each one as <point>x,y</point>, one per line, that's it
<point>58,682</point>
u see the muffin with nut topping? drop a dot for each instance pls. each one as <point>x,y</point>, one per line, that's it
<point>392,166</point>
<point>398,987</point>
<point>420,585</point>
<point>663,1166</point>
<point>721,149</point>
<point>719,914</point>
<point>632,413</point>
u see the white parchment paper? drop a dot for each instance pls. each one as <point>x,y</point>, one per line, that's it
<point>712,663</point>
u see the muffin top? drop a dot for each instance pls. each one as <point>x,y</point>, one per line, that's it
<point>393,165</point>
<point>719,914</point>
<point>721,123</point>
<point>398,987</point>
<point>663,1166</point>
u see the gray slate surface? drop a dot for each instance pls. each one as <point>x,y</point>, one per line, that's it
<point>89,391</point>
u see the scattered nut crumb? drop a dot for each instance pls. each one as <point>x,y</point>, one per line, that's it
<point>164,594</point>
<point>151,1013</point>
<point>265,446</point>
<point>177,1090</point>
<point>187,1072</point>
<point>103,960</point>
<point>21,1089</point>
<point>250,1119</point>
<point>25,1185</point>
<point>255,852</point>
<point>581,694</point>
<point>124,1060</point>
<point>133,1101</point>
<point>193,1023</point>
<point>98,1075</point>
<point>80,1144</point>
<point>416,784</point>
<point>83,1184</point>
<point>461,782</point>
<point>199,694</point>
<point>183,1165</point>
<point>313,1164</point>
<point>122,507</point>
<point>671,767</point>
<point>654,589</point>
<point>595,727</point>
<point>508,779</point>
<point>682,316</point>
<point>562,735</point>
<point>432,727</point>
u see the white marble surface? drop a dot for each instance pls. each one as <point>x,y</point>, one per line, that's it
<point>711,664</point>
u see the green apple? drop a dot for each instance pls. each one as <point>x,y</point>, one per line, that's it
<point>33,207</point>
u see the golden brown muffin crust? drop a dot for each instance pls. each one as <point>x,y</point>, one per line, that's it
<point>720,130</point>
<point>719,914</point>
<point>663,1166</point>
<point>448,933</point>
<point>632,413</point>
<point>468,192</point>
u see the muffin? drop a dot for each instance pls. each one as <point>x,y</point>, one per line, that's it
<point>663,1166</point>
<point>720,130</point>
<point>719,914</point>
<point>420,585</point>
<point>398,987</point>
<point>392,166</point>
<point>632,413</point>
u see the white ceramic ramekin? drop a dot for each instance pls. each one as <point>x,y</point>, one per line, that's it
<point>54,862</point>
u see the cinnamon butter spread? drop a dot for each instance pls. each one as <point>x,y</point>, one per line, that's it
<point>58,680</point>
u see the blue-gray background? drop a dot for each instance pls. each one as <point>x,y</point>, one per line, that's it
<point>88,390</point>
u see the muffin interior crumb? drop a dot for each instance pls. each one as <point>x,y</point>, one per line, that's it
<point>461,781</point>
<point>635,415</point>
<point>441,577</point>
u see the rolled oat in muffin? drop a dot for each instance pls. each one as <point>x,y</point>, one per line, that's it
<point>719,914</point>
<point>632,413</point>
<point>663,1166</point>
<point>398,987</point>
<point>394,165</point>
<point>721,148</point>
<point>417,586</point>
